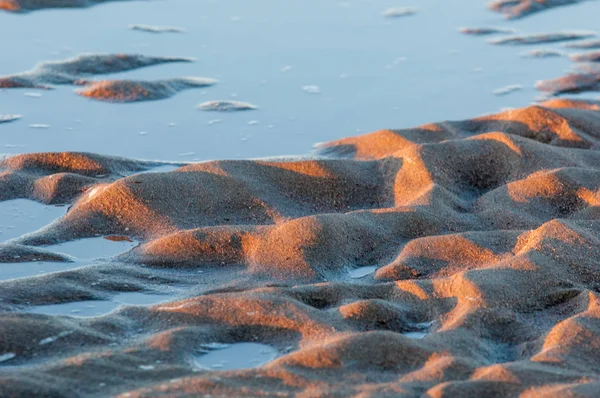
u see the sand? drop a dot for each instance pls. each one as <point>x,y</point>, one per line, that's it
<point>483,234</point>
<point>521,8</point>
<point>78,71</point>
<point>34,5</point>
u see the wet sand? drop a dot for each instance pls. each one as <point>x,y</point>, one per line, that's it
<point>452,259</point>
<point>449,259</point>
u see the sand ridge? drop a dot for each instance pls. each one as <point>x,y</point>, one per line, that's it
<point>484,233</point>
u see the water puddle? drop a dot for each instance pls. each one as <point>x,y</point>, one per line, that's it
<point>420,332</point>
<point>22,216</point>
<point>91,248</point>
<point>235,356</point>
<point>361,272</point>
<point>24,270</point>
<point>92,308</point>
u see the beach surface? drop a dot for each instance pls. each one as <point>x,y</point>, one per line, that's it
<point>457,258</point>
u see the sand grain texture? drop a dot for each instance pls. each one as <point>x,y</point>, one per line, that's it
<point>485,233</point>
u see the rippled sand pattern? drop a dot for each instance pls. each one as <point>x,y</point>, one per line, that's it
<point>484,234</point>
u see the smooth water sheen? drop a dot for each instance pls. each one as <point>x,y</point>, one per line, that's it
<point>92,308</point>
<point>21,216</point>
<point>236,356</point>
<point>37,268</point>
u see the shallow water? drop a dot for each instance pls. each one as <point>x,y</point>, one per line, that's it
<point>92,248</point>
<point>21,216</point>
<point>372,72</point>
<point>37,268</point>
<point>361,272</point>
<point>236,356</point>
<point>92,308</point>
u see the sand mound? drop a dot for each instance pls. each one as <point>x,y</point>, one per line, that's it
<point>156,29</point>
<point>134,91</point>
<point>586,78</point>
<point>76,70</point>
<point>520,8</point>
<point>587,44</point>
<point>586,57</point>
<point>541,38</point>
<point>33,5</point>
<point>485,234</point>
<point>60,177</point>
<point>485,31</point>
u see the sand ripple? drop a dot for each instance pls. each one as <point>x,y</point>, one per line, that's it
<point>484,233</point>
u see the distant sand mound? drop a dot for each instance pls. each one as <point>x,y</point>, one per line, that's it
<point>34,5</point>
<point>520,8</point>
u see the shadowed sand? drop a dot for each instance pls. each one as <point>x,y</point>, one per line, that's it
<point>484,233</point>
